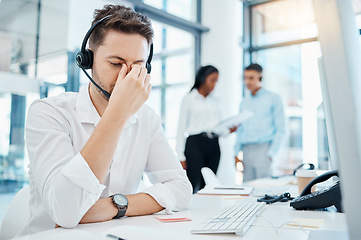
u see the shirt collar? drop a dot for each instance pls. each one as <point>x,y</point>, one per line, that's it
<point>258,93</point>
<point>88,114</point>
<point>198,95</point>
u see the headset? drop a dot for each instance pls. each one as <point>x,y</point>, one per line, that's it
<point>272,199</point>
<point>84,58</point>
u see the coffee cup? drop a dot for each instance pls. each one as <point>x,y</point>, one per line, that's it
<point>304,177</point>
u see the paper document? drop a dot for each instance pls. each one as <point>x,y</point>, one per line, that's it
<point>226,190</point>
<point>223,127</point>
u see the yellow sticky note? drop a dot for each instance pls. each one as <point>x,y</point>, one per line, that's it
<point>306,222</point>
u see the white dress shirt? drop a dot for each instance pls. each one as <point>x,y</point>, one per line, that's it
<point>198,114</point>
<point>63,187</point>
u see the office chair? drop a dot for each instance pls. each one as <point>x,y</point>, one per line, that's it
<point>17,215</point>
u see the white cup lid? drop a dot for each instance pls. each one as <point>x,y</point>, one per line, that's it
<point>306,173</point>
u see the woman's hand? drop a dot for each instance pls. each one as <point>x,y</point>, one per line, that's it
<point>184,165</point>
<point>232,129</point>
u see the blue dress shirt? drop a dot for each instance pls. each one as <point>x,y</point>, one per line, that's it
<point>266,125</point>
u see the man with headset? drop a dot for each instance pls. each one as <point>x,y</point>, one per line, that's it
<point>88,151</point>
<point>260,138</point>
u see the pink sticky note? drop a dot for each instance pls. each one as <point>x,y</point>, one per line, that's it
<point>173,219</point>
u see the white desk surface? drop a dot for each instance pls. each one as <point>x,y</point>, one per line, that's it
<point>277,214</point>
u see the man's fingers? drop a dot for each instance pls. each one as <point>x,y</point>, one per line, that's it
<point>134,73</point>
<point>142,74</point>
<point>122,72</point>
<point>147,81</point>
<point>149,89</point>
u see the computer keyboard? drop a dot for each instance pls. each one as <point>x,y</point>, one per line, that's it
<point>236,219</point>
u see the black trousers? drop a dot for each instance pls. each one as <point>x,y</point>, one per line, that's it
<point>201,151</point>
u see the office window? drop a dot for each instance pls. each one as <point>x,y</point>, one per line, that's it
<point>292,72</point>
<point>181,8</point>
<point>284,42</point>
<point>39,55</point>
<point>172,72</point>
<point>17,52</point>
<point>282,21</point>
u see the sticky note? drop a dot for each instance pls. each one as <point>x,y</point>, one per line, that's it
<point>306,222</point>
<point>173,219</point>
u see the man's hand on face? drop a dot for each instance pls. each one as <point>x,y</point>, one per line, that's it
<point>131,90</point>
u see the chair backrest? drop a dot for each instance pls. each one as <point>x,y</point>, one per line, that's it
<point>17,215</point>
<point>210,178</point>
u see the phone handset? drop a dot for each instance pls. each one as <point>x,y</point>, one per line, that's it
<point>330,196</point>
<point>318,179</point>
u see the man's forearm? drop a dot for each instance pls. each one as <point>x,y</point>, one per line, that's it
<point>99,150</point>
<point>103,210</point>
<point>142,204</point>
<point>138,204</point>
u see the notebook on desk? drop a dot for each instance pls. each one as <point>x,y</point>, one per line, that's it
<point>214,186</point>
<point>226,190</point>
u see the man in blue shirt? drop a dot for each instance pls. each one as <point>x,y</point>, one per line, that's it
<point>261,136</point>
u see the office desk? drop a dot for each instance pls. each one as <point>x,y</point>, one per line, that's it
<point>265,227</point>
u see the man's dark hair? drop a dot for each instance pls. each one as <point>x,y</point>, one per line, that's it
<point>123,19</point>
<point>255,67</point>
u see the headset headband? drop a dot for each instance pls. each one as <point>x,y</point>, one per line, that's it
<point>90,31</point>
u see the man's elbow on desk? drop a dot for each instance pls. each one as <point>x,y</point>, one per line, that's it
<point>66,221</point>
<point>184,200</point>
<point>182,194</point>
<point>69,215</point>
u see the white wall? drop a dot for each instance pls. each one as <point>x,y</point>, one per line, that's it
<point>221,48</point>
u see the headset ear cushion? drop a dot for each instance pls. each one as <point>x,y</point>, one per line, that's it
<point>84,59</point>
<point>79,59</point>
<point>88,57</point>
<point>148,67</point>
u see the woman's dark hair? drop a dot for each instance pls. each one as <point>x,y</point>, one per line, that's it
<point>202,74</point>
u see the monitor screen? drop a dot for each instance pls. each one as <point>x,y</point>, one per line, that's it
<point>341,73</point>
<point>328,119</point>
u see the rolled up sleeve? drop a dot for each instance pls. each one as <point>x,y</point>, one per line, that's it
<point>171,187</point>
<point>66,185</point>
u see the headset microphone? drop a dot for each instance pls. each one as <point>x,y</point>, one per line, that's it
<point>84,58</point>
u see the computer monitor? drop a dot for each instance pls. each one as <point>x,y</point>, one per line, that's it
<point>341,60</point>
<point>333,161</point>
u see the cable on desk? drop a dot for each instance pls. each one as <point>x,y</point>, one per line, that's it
<point>276,229</point>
